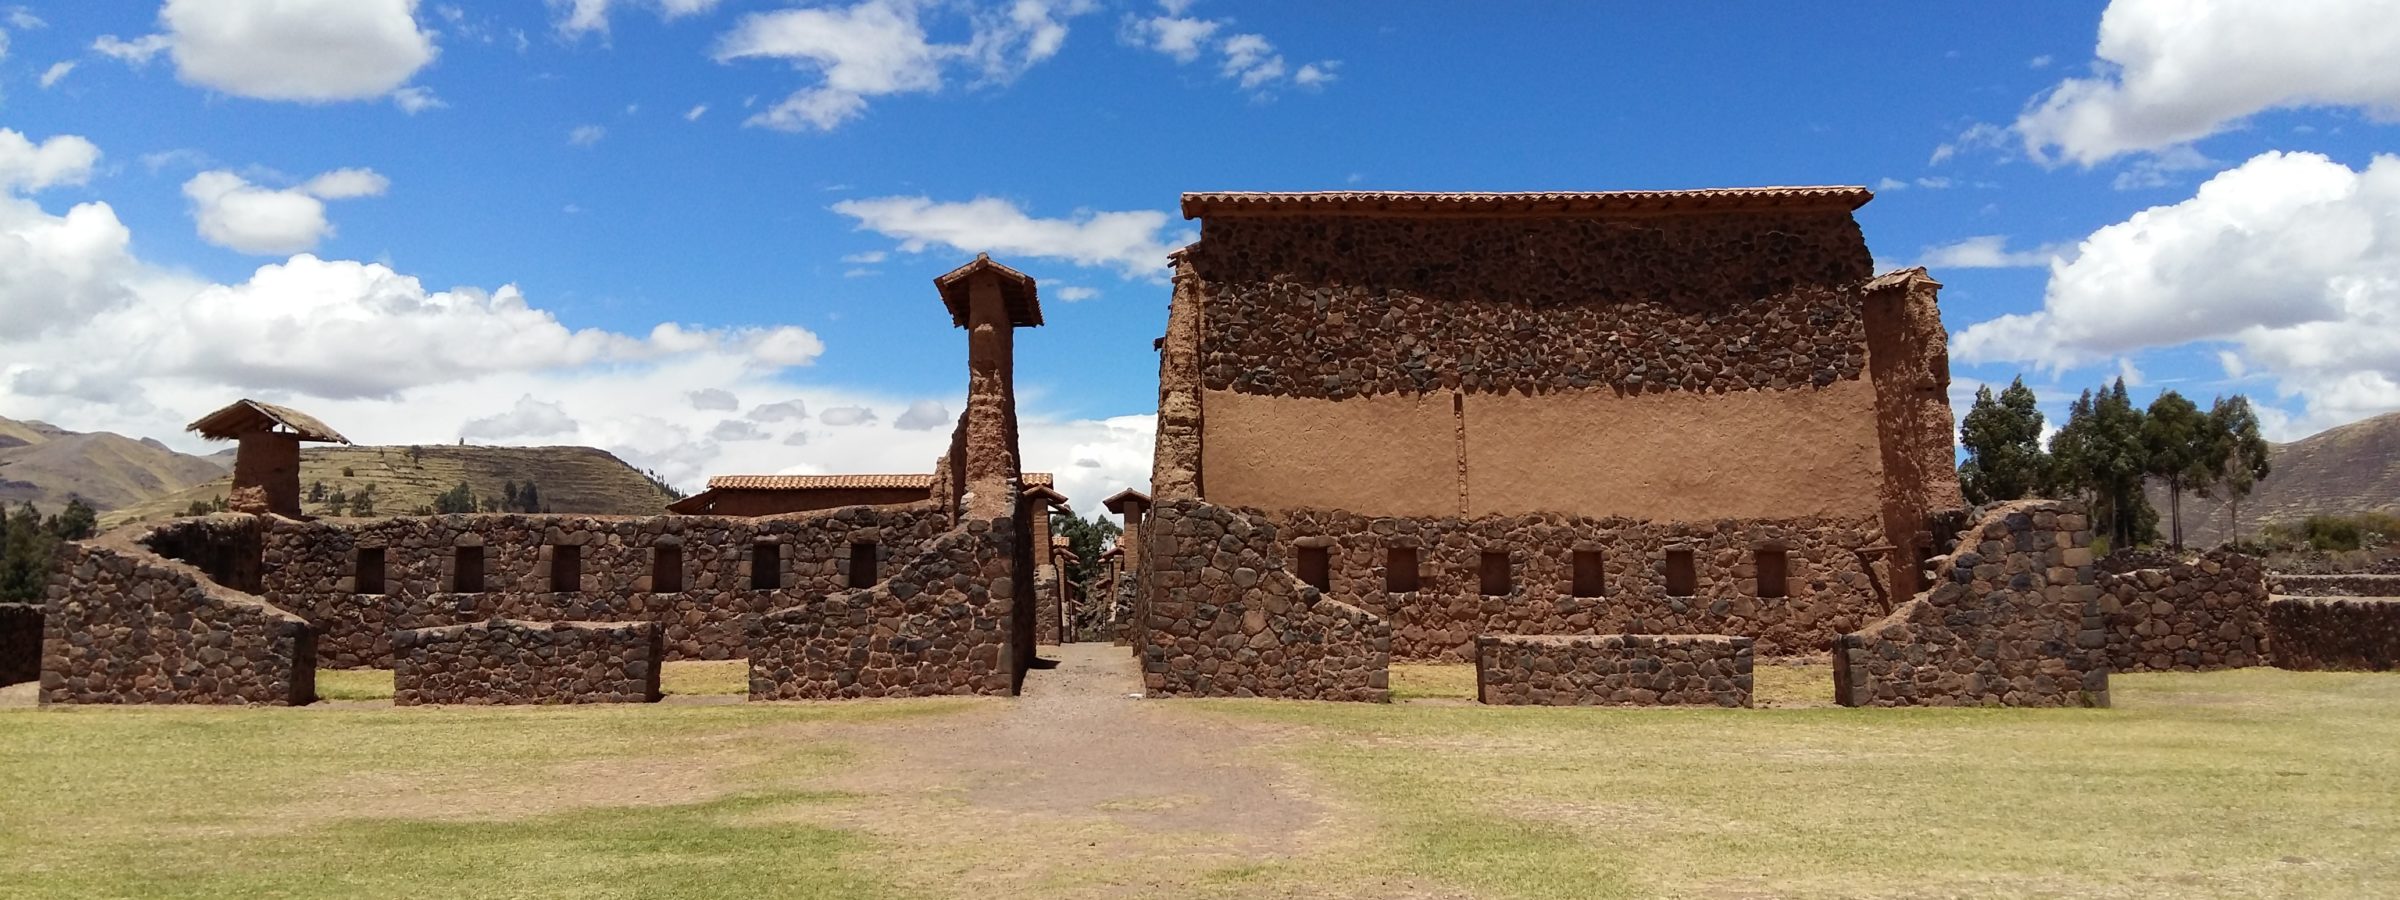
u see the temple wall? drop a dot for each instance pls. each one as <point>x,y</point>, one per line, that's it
<point>1222,615</point>
<point>123,624</point>
<point>504,661</point>
<point>1613,670</point>
<point>942,624</point>
<point>2207,614</point>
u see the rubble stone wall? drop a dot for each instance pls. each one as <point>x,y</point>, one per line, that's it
<point>312,568</point>
<point>226,547</point>
<point>2334,585</point>
<point>1830,586</point>
<point>1222,615</point>
<point>1613,670</point>
<point>2207,614</point>
<point>504,661</point>
<point>2013,619</point>
<point>125,625</point>
<point>2336,633</point>
<point>942,624</point>
<point>1048,612</point>
<point>20,643</point>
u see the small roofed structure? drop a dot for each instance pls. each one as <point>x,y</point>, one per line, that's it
<point>266,463</point>
<point>768,495</point>
<point>1044,492</point>
<point>1017,292</point>
<point>1127,502</point>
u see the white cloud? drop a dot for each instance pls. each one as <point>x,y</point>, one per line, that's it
<point>2175,71</point>
<point>844,416</point>
<point>784,411</point>
<point>1988,251</point>
<point>1979,136</point>
<point>737,430</point>
<point>233,213</point>
<point>1135,243</point>
<point>309,51</point>
<point>2158,169</point>
<point>1074,293</point>
<point>878,48</point>
<point>585,135</point>
<point>714,398</point>
<point>2291,259</point>
<point>56,73</point>
<point>414,100</point>
<point>61,159</point>
<point>1247,59</point>
<point>868,258</point>
<point>695,113</point>
<point>924,415</point>
<point>579,17</point>
<point>530,418</point>
<point>1177,37</point>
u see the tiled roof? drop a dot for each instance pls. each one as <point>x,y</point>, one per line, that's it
<point>1017,291</point>
<point>1197,205</point>
<point>841,482</point>
<point>251,417</point>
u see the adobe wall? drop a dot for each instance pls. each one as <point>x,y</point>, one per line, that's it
<point>20,643</point>
<point>2013,619</point>
<point>1221,615</point>
<point>125,625</point>
<point>2207,614</point>
<point>504,661</point>
<point>1908,358</point>
<point>1829,587</point>
<point>741,502</point>
<point>2335,633</point>
<point>269,462</point>
<point>941,624</point>
<point>2334,585</point>
<point>1613,670</point>
<point>311,569</point>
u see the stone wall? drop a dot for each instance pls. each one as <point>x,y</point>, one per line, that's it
<point>2013,619</point>
<point>226,547</point>
<point>20,643</point>
<point>124,625</point>
<point>942,624</point>
<point>2196,616</point>
<point>1222,615</point>
<point>1049,600</point>
<point>2334,585</point>
<point>1613,670</point>
<point>312,568</point>
<point>1829,586</point>
<point>504,661</point>
<point>2338,633</point>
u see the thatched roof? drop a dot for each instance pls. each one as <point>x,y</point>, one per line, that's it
<point>1017,292</point>
<point>253,417</point>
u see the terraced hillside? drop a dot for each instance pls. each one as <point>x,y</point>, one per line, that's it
<point>2347,469</point>
<point>571,480</point>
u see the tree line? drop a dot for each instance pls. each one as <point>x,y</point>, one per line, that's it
<point>2106,451</point>
<point>27,540</point>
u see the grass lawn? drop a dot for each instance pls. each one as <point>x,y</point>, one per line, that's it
<point>695,677</point>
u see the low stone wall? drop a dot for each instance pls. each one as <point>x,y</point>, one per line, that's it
<point>1223,615</point>
<point>2013,619</point>
<point>20,643</point>
<point>2337,633</point>
<point>1047,605</point>
<point>1613,670</point>
<point>124,625</point>
<point>940,625</point>
<point>2198,616</point>
<point>2334,585</point>
<point>229,548</point>
<point>503,662</point>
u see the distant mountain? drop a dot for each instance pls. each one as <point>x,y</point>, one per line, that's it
<point>2348,469</point>
<point>48,465</point>
<point>570,479</point>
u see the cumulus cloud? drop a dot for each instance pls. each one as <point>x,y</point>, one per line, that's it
<point>879,48</point>
<point>1135,243</point>
<point>580,17</point>
<point>529,418</point>
<point>2175,71</point>
<point>1247,59</point>
<point>785,411</point>
<point>586,135</point>
<point>414,100</point>
<point>136,52</point>
<point>235,214</point>
<point>2288,263</point>
<point>924,415</point>
<point>737,430</point>
<point>307,51</point>
<point>1074,293</point>
<point>843,416</point>
<point>1988,251</point>
<point>57,160</point>
<point>714,398</point>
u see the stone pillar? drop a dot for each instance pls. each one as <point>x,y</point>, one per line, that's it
<point>270,463</point>
<point>992,470</point>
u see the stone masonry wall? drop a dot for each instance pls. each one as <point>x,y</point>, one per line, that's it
<point>124,625</point>
<point>2337,633</point>
<point>1339,306</point>
<point>2335,585</point>
<point>1047,612</point>
<point>941,624</point>
<point>227,547</point>
<point>312,569</point>
<point>504,661</point>
<point>2013,619</point>
<point>20,643</point>
<point>2192,617</point>
<point>1830,587</point>
<point>1221,615</point>
<point>1613,670</point>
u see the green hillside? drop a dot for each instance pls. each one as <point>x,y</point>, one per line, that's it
<point>405,479</point>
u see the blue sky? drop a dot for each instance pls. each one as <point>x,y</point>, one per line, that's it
<point>782,180</point>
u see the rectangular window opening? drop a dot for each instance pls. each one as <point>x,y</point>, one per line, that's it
<point>370,570</point>
<point>1773,577</point>
<point>566,568</point>
<point>666,569</point>
<point>1400,572</point>
<point>1591,574</point>
<point>1682,580</point>
<point>862,565</point>
<point>1316,567</point>
<point>466,571</point>
<point>766,566</point>
<point>1496,576</point>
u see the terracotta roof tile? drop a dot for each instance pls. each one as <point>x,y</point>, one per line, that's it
<point>1017,290</point>
<point>1196,205</point>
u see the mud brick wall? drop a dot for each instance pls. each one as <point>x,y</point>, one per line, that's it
<point>2335,585</point>
<point>2013,619</point>
<point>20,643</point>
<point>504,661</point>
<point>1222,615</point>
<point>2199,616</point>
<point>1335,306</point>
<point>942,624</point>
<point>312,568</point>
<point>124,625</point>
<point>1613,670</point>
<point>2335,633</point>
<point>1830,589</point>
